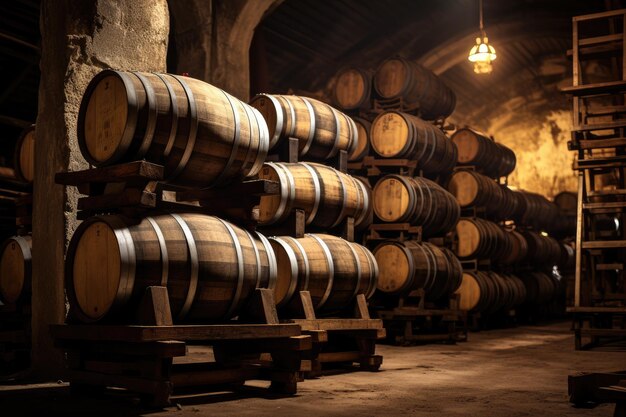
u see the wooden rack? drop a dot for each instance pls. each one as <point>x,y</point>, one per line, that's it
<point>415,320</point>
<point>135,188</point>
<point>345,340</point>
<point>141,357</point>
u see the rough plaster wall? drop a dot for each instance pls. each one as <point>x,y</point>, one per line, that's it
<point>534,119</point>
<point>78,40</point>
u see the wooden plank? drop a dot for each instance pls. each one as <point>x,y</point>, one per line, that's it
<point>339,324</point>
<point>605,205</point>
<point>600,39</point>
<point>601,143</point>
<point>612,310</point>
<point>134,333</point>
<point>161,349</point>
<point>599,15</point>
<point>603,332</point>
<point>131,197</point>
<point>596,88</point>
<point>132,171</point>
<point>609,267</point>
<point>604,244</point>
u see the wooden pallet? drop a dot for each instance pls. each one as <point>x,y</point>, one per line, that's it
<point>341,340</point>
<point>587,389</point>
<point>135,188</point>
<point>412,320</point>
<point>15,340</point>
<point>141,358</point>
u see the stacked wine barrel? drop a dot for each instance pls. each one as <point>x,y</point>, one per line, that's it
<point>16,250</point>
<point>205,137</point>
<point>501,237</point>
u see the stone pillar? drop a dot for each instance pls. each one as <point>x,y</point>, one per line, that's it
<point>79,38</point>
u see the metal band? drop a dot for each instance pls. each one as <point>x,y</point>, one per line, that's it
<point>344,190</point>
<point>174,111</point>
<point>264,142</point>
<point>335,147</point>
<point>257,257</point>
<point>165,261</point>
<point>292,112</point>
<point>375,273</point>
<point>305,260</point>
<point>236,139</point>
<point>318,192</point>
<point>432,151</point>
<point>432,260</point>
<point>309,140</point>
<point>357,286</point>
<point>331,270</point>
<point>193,128</point>
<point>272,263</point>
<point>366,202</point>
<point>280,119</point>
<point>126,291</point>
<point>355,135</point>
<point>293,263</point>
<point>195,266</point>
<point>240,269</point>
<point>285,194</point>
<point>152,115</point>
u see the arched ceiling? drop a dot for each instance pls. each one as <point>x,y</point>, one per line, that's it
<point>308,41</point>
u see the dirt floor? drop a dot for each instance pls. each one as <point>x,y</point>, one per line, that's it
<point>512,372</point>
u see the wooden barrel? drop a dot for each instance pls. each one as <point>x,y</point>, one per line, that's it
<point>321,130</point>
<point>407,266</point>
<point>326,195</point>
<point>400,135</point>
<point>518,249</point>
<point>333,270</point>
<point>15,269</point>
<point>24,156</point>
<point>478,238</point>
<point>201,134</point>
<point>566,201</point>
<point>535,210</point>
<point>476,149</point>
<point>399,78</point>
<point>542,249</point>
<point>210,267</point>
<point>472,189</point>
<point>567,262</point>
<point>419,201</point>
<point>489,292</point>
<point>541,288</point>
<point>362,149</point>
<point>352,89</point>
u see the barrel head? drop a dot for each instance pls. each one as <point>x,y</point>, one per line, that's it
<point>12,270</point>
<point>393,268</point>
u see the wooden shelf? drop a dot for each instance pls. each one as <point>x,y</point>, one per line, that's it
<point>609,87</point>
<point>604,244</point>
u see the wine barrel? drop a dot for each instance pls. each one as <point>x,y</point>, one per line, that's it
<point>24,156</point>
<point>472,189</point>
<point>15,269</point>
<point>400,135</point>
<point>321,130</point>
<point>535,210</point>
<point>202,135</point>
<point>352,89</point>
<point>397,77</point>
<point>420,201</point>
<point>333,270</point>
<point>210,267</point>
<point>566,201</point>
<point>542,250</point>
<point>541,288</point>
<point>518,249</point>
<point>478,238</point>
<point>493,159</point>
<point>362,149</point>
<point>489,292</point>
<point>326,195</point>
<point>407,266</point>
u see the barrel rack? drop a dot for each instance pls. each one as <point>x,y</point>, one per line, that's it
<point>349,337</point>
<point>598,137</point>
<point>141,357</point>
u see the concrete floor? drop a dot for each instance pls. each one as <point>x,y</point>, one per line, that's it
<point>512,372</point>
